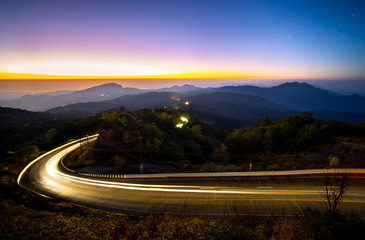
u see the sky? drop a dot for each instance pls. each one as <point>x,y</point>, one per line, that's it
<point>160,39</point>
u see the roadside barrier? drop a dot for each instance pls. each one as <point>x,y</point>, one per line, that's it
<point>226,174</point>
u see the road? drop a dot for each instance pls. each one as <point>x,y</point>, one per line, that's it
<point>255,194</point>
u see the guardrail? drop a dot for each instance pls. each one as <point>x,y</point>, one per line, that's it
<point>207,174</point>
<point>225,174</point>
<point>102,175</point>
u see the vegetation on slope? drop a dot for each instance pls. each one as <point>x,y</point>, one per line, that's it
<point>24,215</point>
<point>295,142</point>
<point>287,138</point>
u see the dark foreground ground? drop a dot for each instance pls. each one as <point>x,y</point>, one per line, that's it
<point>34,217</point>
<point>25,215</point>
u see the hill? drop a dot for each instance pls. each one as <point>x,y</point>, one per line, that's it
<point>186,89</point>
<point>95,94</point>
<point>225,108</point>
<point>8,115</point>
<point>131,102</point>
<point>302,96</point>
<point>221,108</point>
<point>234,105</point>
<point>20,129</point>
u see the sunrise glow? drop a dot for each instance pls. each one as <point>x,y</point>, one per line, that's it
<point>81,66</point>
<point>127,40</point>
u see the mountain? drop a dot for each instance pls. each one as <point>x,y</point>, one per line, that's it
<point>302,96</point>
<point>350,117</point>
<point>55,93</point>
<point>95,94</point>
<point>186,89</point>
<point>220,108</point>
<point>131,102</point>
<point>147,100</point>
<point>233,107</point>
<point>9,115</point>
<point>233,104</point>
<point>83,109</point>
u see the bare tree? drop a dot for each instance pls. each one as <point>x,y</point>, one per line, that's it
<point>335,186</point>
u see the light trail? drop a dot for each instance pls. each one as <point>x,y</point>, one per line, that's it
<point>89,138</point>
<point>53,171</point>
<point>47,176</point>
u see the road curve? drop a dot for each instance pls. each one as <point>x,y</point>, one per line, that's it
<point>277,193</point>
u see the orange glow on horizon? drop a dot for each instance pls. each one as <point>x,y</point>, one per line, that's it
<point>179,76</point>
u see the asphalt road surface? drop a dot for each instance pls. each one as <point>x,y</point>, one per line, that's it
<point>252,195</point>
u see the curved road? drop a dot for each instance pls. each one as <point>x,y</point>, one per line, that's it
<point>275,194</point>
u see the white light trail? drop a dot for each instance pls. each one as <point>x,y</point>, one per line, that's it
<point>53,172</point>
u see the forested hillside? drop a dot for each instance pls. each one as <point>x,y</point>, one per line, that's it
<point>171,137</point>
<point>188,143</point>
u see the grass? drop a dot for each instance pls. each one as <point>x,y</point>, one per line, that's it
<point>25,215</point>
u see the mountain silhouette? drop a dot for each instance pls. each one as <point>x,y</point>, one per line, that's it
<point>302,97</point>
<point>95,94</point>
<point>223,104</point>
<point>131,102</point>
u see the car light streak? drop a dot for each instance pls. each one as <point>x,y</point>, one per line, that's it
<point>89,138</point>
<point>47,176</point>
<point>53,172</point>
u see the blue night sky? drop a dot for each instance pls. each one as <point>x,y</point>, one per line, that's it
<point>257,39</point>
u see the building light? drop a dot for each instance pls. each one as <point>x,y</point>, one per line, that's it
<point>184,120</point>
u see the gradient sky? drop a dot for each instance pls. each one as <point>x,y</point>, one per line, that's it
<point>247,39</point>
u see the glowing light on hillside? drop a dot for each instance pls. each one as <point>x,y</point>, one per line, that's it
<point>176,98</point>
<point>184,120</point>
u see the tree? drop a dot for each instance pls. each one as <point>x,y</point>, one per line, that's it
<point>221,155</point>
<point>27,153</point>
<point>335,186</point>
<point>307,134</point>
<point>270,138</point>
<point>333,161</point>
<point>193,151</point>
<point>236,141</point>
<point>51,136</point>
<point>12,143</point>
<point>121,163</point>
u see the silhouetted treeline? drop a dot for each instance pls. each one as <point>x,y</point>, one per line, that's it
<point>293,133</point>
<point>163,136</point>
<point>25,134</point>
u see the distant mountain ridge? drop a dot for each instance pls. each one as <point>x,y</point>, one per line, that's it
<point>188,89</point>
<point>94,94</point>
<point>131,102</point>
<point>235,107</point>
<point>223,104</point>
<point>303,97</point>
<point>9,115</point>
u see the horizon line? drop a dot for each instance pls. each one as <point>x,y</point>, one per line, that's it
<point>179,76</point>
